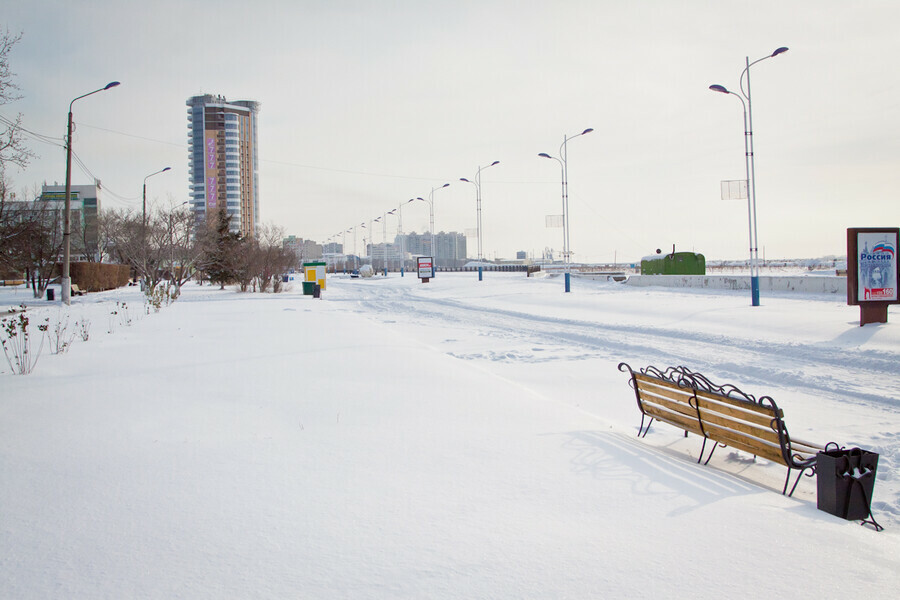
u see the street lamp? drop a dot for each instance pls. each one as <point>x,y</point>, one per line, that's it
<point>344,250</point>
<point>384,237</point>
<point>431,209</point>
<point>563,163</point>
<point>378,220</point>
<point>750,168</point>
<point>372,234</point>
<point>66,280</point>
<point>355,249</point>
<point>144,207</point>
<point>400,234</point>
<point>477,184</point>
<point>144,226</point>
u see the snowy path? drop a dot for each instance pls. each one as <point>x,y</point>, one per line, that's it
<point>827,369</point>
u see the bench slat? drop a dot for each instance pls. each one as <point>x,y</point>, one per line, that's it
<point>753,422</point>
<point>741,409</point>
<point>741,403</point>
<point>762,418</point>
<point>765,433</point>
<point>714,423</point>
<point>664,388</point>
<point>747,444</point>
<point>679,406</point>
<point>676,419</point>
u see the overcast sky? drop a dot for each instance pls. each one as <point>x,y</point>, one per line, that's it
<point>367,104</point>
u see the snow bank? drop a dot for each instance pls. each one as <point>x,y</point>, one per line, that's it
<point>813,284</point>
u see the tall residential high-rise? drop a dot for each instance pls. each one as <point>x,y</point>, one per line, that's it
<point>223,160</point>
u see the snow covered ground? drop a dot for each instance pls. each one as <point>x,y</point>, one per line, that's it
<point>456,439</point>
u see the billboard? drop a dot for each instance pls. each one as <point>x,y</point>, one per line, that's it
<point>872,271</point>
<point>425,266</point>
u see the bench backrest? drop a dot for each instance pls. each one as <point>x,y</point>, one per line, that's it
<point>724,414</point>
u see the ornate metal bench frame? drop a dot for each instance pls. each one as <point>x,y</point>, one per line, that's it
<point>684,378</point>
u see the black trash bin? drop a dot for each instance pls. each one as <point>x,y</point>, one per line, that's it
<point>51,296</point>
<point>845,480</point>
<point>317,291</point>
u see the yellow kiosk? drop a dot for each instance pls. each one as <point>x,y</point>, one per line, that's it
<point>314,273</point>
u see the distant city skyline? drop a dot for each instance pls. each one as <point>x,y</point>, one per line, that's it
<point>366,106</point>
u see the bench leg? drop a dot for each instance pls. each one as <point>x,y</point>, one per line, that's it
<point>703,449</point>
<point>787,480</point>
<point>641,429</point>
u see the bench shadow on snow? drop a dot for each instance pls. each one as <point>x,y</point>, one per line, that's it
<point>667,472</point>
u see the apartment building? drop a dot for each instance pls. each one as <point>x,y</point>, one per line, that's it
<point>223,160</point>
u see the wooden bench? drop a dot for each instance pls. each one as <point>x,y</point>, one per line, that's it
<point>723,414</point>
<point>76,291</point>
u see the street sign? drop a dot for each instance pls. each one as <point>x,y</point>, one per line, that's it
<point>734,189</point>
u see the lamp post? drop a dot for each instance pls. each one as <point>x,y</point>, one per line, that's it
<point>144,204</point>
<point>344,250</point>
<point>66,280</point>
<point>477,184</point>
<point>563,163</point>
<point>372,225</point>
<point>144,220</point>
<point>384,238</point>
<point>431,215</point>
<point>400,234</point>
<point>750,167</point>
<point>355,249</point>
<point>370,249</point>
<point>372,240</point>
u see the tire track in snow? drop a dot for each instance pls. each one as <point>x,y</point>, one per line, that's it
<point>825,370</point>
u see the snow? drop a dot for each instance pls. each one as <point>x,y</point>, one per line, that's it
<point>455,439</point>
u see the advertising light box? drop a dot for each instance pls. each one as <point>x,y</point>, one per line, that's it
<point>425,266</point>
<point>872,271</point>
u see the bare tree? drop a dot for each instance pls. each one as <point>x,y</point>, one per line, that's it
<point>106,224</point>
<point>13,222</point>
<point>12,144</point>
<point>12,231</point>
<point>43,242</point>
<point>163,251</point>
<point>142,245</point>
<point>247,263</point>
<point>185,253</point>
<point>273,259</point>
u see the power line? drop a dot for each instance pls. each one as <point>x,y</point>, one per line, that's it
<point>131,135</point>
<point>46,139</point>
<point>275,162</point>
